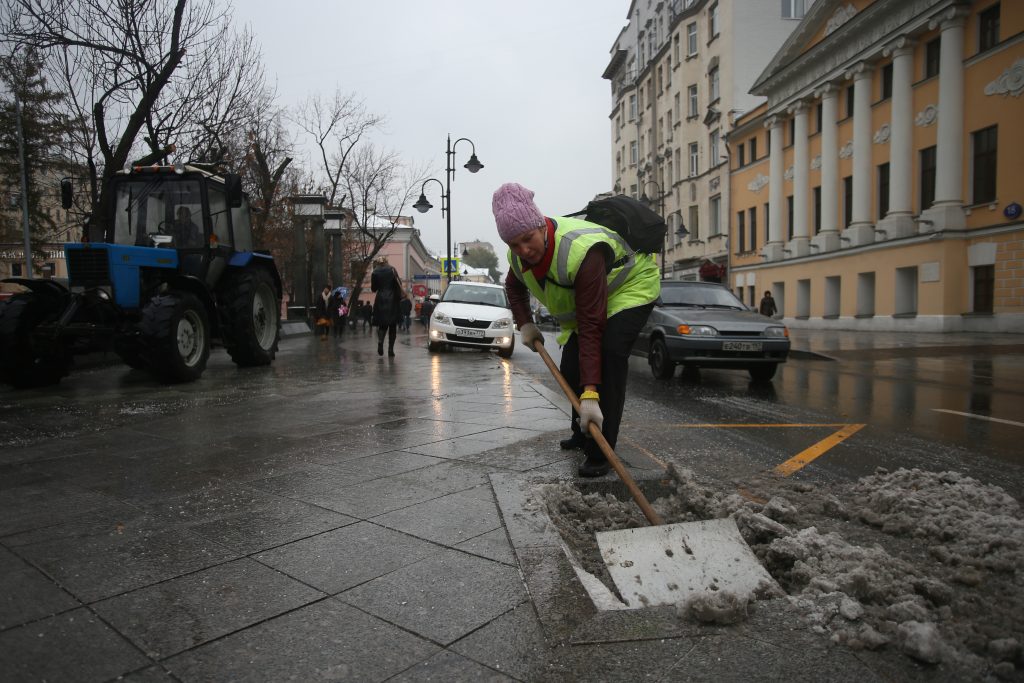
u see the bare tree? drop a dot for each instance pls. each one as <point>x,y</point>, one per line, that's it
<point>141,76</point>
<point>336,126</point>
<point>381,187</point>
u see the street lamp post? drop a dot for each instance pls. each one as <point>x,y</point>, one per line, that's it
<point>661,212</point>
<point>422,205</point>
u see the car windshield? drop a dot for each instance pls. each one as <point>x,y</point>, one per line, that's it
<point>468,294</point>
<point>703,296</point>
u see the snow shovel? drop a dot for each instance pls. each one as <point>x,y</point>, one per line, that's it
<point>666,564</point>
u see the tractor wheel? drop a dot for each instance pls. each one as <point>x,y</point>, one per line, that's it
<point>176,331</point>
<point>662,366</point>
<point>252,320</point>
<point>22,364</point>
<point>133,353</point>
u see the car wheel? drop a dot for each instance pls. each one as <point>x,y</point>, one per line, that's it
<point>433,347</point>
<point>691,372</point>
<point>506,353</point>
<point>662,366</point>
<point>762,373</point>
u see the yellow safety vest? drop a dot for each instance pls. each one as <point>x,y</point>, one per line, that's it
<point>633,280</point>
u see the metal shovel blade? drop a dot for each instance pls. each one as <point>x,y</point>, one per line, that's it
<point>665,565</point>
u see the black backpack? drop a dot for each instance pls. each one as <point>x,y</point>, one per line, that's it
<point>642,228</point>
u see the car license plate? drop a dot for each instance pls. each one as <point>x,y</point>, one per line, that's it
<point>464,332</point>
<point>741,346</point>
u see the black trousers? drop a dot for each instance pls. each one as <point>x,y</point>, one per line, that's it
<point>620,333</point>
<point>388,330</point>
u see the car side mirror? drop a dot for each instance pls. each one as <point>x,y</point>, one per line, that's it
<point>67,193</point>
<point>233,189</point>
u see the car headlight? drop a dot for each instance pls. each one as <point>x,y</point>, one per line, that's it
<point>698,330</point>
<point>442,318</point>
<point>502,323</point>
<point>777,331</point>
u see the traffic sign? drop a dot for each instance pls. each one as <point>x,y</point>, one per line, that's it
<point>450,266</point>
<point>419,290</point>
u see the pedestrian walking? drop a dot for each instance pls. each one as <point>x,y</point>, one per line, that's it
<point>767,305</point>
<point>597,288</point>
<point>427,309</point>
<point>366,315</point>
<point>335,305</point>
<point>405,310</point>
<point>321,313</point>
<point>384,281</point>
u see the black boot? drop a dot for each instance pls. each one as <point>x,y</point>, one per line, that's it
<point>595,465</point>
<point>574,442</point>
<point>391,352</point>
<point>380,349</point>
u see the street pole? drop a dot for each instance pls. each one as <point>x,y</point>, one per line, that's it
<point>448,173</point>
<point>661,212</point>
<point>24,188</point>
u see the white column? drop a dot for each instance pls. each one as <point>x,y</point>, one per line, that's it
<point>800,244</point>
<point>947,212</point>
<point>861,230</point>
<point>898,222</point>
<point>828,238</point>
<point>772,251</point>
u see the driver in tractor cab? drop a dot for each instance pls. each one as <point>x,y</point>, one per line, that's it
<point>186,233</point>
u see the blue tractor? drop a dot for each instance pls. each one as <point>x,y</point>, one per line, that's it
<point>169,272</point>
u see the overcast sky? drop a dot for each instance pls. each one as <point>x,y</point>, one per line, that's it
<point>522,80</point>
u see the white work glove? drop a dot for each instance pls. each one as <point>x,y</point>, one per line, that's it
<point>590,411</point>
<point>531,334</point>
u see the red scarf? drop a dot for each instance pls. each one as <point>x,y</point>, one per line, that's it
<point>540,270</point>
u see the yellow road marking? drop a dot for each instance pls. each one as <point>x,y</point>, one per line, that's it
<point>792,465</point>
<point>809,455</point>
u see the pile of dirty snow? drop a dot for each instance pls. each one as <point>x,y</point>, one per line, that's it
<point>929,563</point>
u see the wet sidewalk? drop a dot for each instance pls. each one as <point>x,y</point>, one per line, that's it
<point>341,516</point>
<point>842,344</point>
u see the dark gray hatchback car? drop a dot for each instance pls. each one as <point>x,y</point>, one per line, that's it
<point>703,325</point>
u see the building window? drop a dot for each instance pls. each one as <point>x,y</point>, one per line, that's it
<point>984,288</point>
<point>742,158</point>
<point>767,215</point>
<point>694,223</point>
<point>865,295</point>
<point>932,51</point>
<point>694,104</point>
<point>847,200</point>
<point>792,9</point>
<point>817,209</point>
<point>984,170</point>
<point>791,125</point>
<point>713,85</point>
<point>849,101</point>
<point>694,159</point>
<point>715,217</point>
<point>818,113</point>
<point>675,48</point>
<point>883,189</point>
<point>713,22</point>
<point>632,107</point>
<point>789,217</point>
<point>713,149</point>
<point>928,157</point>
<point>753,150</point>
<point>691,39</point>
<point>741,229</point>
<point>906,291</point>
<point>633,153</point>
<point>886,85</point>
<point>988,28</point>
<point>752,220</point>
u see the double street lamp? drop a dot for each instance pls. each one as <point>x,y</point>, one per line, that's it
<point>422,205</point>
<point>681,231</point>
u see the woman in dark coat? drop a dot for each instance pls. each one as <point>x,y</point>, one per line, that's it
<point>384,281</point>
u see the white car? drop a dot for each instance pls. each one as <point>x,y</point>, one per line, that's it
<point>472,314</point>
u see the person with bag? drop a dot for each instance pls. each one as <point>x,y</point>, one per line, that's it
<point>599,290</point>
<point>384,281</point>
<point>334,306</point>
<point>322,314</point>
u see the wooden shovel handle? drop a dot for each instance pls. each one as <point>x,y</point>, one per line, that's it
<point>602,443</point>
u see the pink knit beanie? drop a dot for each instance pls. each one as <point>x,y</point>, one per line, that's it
<point>514,211</point>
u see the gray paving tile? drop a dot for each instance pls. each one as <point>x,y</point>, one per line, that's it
<point>327,641</point>
<point>106,560</point>
<point>448,666</point>
<point>442,597</point>
<point>448,476</point>
<point>373,498</point>
<point>181,613</point>
<point>493,545</point>
<point>340,559</point>
<point>447,520</point>
<point>32,507</point>
<point>75,645</point>
<point>513,644</point>
<point>27,593</point>
<point>453,448</point>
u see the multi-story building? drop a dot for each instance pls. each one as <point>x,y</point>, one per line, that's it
<point>680,73</point>
<point>879,187</point>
